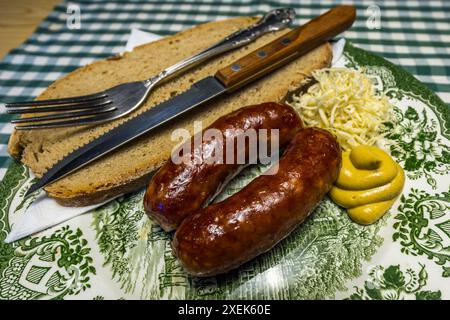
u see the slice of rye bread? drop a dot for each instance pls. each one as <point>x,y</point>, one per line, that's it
<point>130,167</point>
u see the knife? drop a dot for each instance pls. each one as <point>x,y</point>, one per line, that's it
<point>250,67</point>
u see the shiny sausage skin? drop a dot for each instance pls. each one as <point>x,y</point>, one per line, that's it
<point>177,190</point>
<point>224,235</point>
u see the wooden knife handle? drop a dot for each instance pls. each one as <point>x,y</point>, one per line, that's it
<point>287,48</point>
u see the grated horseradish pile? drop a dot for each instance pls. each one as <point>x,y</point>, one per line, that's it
<point>344,102</point>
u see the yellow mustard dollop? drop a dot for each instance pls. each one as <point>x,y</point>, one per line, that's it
<point>368,183</point>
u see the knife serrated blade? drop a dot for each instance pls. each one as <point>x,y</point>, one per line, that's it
<point>200,92</point>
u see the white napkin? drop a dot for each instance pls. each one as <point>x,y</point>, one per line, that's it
<point>45,212</point>
<point>138,37</point>
<point>338,49</point>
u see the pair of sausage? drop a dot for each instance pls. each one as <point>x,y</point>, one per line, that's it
<point>220,237</point>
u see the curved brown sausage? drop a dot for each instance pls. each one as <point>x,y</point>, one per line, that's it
<point>177,190</point>
<point>224,235</point>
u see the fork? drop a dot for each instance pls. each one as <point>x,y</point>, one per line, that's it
<point>122,99</point>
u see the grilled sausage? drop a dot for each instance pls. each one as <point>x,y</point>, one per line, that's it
<point>224,235</point>
<point>177,190</point>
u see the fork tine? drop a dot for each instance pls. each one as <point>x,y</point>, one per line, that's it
<point>69,123</point>
<point>38,103</point>
<point>66,115</point>
<point>69,107</point>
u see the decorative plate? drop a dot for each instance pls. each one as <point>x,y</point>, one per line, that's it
<point>116,252</point>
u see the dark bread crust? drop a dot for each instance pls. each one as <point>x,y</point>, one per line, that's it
<point>102,196</point>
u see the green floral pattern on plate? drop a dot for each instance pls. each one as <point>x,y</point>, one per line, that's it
<point>416,145</point>
<point>392,283</point>
<point>49,267</point>
<point>116,252</point>
<point>423,227</point>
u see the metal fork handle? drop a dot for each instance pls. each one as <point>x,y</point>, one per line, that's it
<point>273,20</point>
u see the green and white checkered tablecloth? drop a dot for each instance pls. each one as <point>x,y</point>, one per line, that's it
<point>412,34</point>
